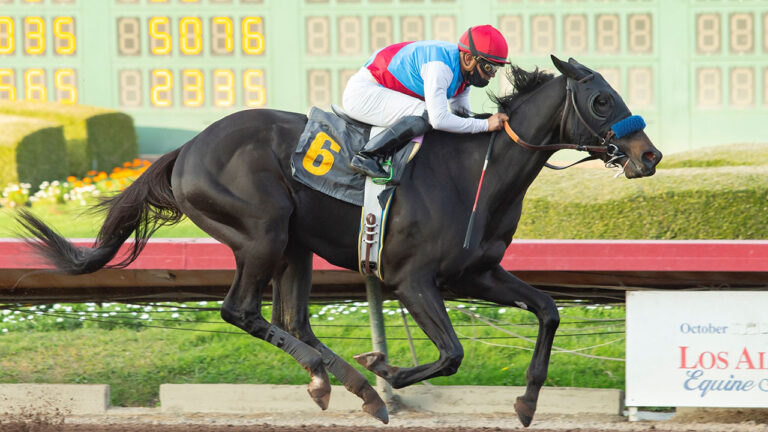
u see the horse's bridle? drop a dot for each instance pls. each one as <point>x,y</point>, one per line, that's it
<point>606,143</point>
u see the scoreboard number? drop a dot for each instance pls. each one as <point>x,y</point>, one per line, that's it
<point>223,88</point>
<point>222,36</point>
<point>253,36</point>
<point>191,30</point>
<point>7,89</point>
<point>34,85</point>
<point>161,81</point>
<point>65,81</point>
<point>34,35</point>
<point>160,36</point>
<point>64,35</point>
<point>160,32</point>
<point>193,92</point>
<point>255,92</point>
<point>7,41</point>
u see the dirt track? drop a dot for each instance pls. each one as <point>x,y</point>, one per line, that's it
<point>151,421</point>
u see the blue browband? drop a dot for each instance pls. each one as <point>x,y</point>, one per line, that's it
<point>628,125</point>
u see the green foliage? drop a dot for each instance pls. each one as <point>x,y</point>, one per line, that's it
<point>683,203</point>
<point>112,138</point>
<point>111,344</point>
<point>31,150</point>
<point>728,155</point>
<point>96,138</point>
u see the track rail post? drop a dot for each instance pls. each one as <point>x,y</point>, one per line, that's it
<point>378,334</point>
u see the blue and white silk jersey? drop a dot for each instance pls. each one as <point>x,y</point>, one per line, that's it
<point>429,71</point>
<point>399,67</point>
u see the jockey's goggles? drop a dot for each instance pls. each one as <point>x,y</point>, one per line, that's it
<point>486,66</point>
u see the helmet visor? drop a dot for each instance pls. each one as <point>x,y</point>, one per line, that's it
<point>486,66</point>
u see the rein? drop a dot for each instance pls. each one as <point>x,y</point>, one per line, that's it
<point>606,146</point>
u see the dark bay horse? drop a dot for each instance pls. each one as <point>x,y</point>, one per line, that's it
<point>234,181</point>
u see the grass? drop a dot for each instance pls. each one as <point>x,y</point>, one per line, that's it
<point>135,360</point>
<point>72,221</point>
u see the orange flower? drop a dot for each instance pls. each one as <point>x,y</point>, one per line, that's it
<point>117,169</point>
<point>91,173</point>
<point>78,184</point>
<point>136,162</point>
<point>71,179</point>
<point>87,180</point>
<point>126,164</point>
<point>108,184</point>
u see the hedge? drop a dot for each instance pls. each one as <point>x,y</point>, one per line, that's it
<point>727,200</point>
<point>727,155</point>
<point>31,150</point>
<point>97,138</point>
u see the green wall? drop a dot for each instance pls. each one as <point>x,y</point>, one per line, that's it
<point>697,70</point>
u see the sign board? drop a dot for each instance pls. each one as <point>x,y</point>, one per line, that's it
<point>697,349</point>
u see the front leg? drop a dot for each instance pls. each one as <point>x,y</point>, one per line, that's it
<point>422,298</point>
<point>499,286</point>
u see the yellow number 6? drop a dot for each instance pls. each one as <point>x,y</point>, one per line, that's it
<point>316,151</point>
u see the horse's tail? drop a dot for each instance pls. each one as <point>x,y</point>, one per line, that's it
<point>142,208</point>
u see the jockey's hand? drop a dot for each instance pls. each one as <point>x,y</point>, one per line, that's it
<point>496,121</point>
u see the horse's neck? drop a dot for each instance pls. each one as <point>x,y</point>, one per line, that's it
<point>537,121</point>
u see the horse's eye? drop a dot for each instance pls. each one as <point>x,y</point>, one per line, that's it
<point>602,105</point>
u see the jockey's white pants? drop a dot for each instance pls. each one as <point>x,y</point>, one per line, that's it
<point>367,101</point>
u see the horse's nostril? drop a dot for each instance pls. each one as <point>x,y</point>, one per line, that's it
<point>650,156</point>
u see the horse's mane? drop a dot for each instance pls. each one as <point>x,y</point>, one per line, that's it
<point>523,82</point>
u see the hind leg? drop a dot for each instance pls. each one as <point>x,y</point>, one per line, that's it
<point>242,308</point>
<point>253,220</point>
<point>290,312</point>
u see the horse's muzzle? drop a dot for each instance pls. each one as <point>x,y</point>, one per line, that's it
<point>642,156</point>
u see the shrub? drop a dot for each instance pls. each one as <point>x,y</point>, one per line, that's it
<point>31,150</point>
<point>718,202</point>
<point>96,138</point>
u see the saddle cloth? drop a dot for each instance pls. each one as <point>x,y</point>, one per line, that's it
<point>321,159</point>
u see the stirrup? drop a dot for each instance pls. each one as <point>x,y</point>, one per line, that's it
<point>385,180</point>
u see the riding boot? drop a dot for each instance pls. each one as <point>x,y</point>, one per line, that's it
<point>388,142</point>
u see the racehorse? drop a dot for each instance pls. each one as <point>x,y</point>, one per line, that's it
<point>234,181</point>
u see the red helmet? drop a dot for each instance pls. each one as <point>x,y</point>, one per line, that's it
<point>484,41</point>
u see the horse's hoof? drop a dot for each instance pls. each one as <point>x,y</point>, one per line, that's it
<point>525,411</point>
<point>320,391</point>
<point>376,362</point>
<point>370,360</point>
<point>379,412</point>
<point>374,406</point>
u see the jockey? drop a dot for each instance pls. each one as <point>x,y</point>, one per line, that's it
<point>407,87</point>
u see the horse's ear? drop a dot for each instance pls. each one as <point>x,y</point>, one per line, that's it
<point>567,69</point>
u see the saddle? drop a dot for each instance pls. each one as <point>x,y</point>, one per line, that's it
<point>322,155</point>
<point>321,161</point>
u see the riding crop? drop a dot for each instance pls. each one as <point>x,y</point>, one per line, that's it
<point>468,236</point>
